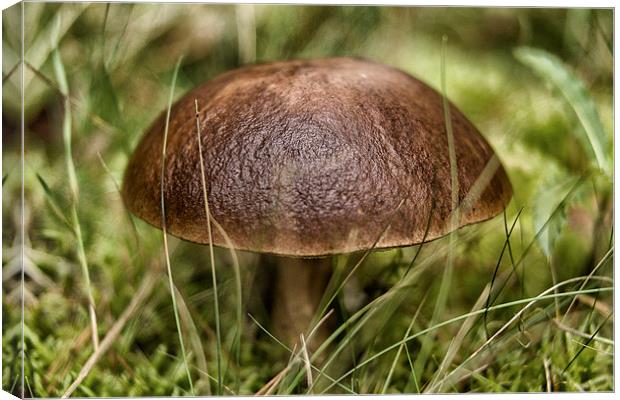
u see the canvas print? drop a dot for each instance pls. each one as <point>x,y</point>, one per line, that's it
<point>254,199</point>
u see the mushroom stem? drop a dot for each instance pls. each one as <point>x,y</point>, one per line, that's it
<point>299,287</point>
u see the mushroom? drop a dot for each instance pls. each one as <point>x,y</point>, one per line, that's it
<point>307,159</point>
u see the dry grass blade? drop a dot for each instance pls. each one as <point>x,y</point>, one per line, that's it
<point>11,71</point>
<point>357,320</point>
<point>602,308</point>
<point>436,385</point>
<point>602,262</point>
<point>454,181</point>
<point>40,49</point>
<point>211,255</point>
<point>318,324</point>
<point>165,231</point>
<point>480,184</point>
<point>585,345</point>
<point>269,387</point>
<point>576,332</point>
<point>322,308</point>
<point>600,351</point>
<point>95,119</point>
<point>237,270</point>
<point>295,356</point>
<point>193,334</point>
<point>548,379</point>
<point>144,290</point>
<point>306,358</point>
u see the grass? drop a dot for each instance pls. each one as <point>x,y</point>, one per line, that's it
<point>502,322</point>
<point>165,233</point>
<point>73,185</point>
<point>446,278</point>
<point>529,302</point>
<point>216,307</point>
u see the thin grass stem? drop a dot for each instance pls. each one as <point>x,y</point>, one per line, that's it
<point>446,279</point>
<point>496,270</point>
<point>602,262</point>
<point>306,359</point>
<point>236,343</point>
<point>216,305</point>
<point>386,384</point>
<point>73,184</point>
<point>165,230</point>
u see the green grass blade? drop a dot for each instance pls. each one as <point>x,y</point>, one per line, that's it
<point>437,383</point>
<point>544,214</point>
<point>412,369</point>
<point>164,229</point>
<point>496,270</point>
<point>41,48</point>
<point>421,245</point>
<point>553,70</point>
<point>63,84</point>
<point>56,209</point>
<point>446,279</point>
<point>585,345</point>
<point>386,384</point>
<point>454,182</point>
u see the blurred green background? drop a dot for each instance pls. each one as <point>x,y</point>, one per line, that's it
<point>536,82</point>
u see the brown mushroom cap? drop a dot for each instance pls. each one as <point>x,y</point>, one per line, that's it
<point>310,158</point>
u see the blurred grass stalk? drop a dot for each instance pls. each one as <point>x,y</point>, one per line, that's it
<point>63,85</point>
<point>246,33</point>
<point>446,279</point>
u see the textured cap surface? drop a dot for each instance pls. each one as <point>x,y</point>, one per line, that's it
<point>310,158</point>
